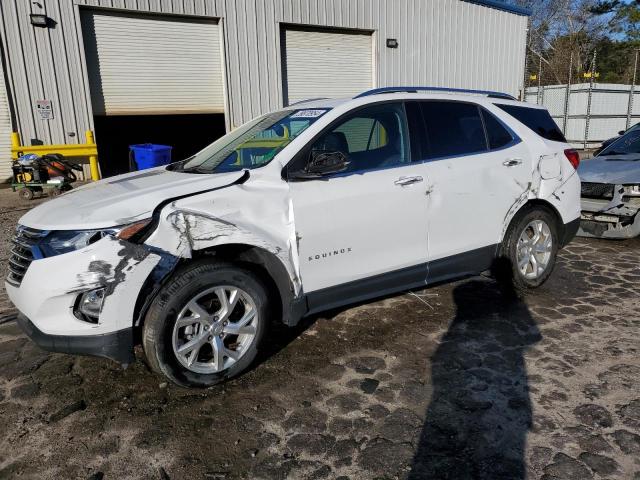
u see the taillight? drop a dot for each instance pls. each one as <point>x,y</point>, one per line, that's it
<point>573,156</point>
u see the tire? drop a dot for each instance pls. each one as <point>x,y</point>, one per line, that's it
<point>163,335</point>
<point>509,269</point>
<point>26,193</point>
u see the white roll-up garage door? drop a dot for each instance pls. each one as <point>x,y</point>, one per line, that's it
<point>326,64</point>
<point>141,65</point>
<point>5,131</point>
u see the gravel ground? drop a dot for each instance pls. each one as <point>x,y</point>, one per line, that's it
<point>453,382</point>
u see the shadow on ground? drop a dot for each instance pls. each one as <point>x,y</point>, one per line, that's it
<point>480,411</point>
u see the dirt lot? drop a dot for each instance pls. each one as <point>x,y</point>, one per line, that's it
<point>454,382</point>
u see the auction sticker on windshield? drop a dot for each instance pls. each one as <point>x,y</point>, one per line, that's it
<point>308,113</point>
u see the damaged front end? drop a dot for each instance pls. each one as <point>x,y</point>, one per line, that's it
<point>81,301</point>
<point>610,210</point>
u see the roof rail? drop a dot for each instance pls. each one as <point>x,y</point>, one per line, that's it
<point>488,93</point>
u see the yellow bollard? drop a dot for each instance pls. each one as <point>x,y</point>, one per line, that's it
<point>93,160</point>
<point>15,142</point>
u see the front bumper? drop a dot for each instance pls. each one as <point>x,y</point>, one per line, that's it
<point>617,218</point>
<point>49,290</point>
<point>117,346</point>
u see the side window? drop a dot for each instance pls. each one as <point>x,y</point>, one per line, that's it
<point>363,134</point>
<point>371,138</point>
<point>454,128</point>
<point>497,135</point>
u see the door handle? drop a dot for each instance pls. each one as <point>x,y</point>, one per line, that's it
<point>512,162</point>
<point>402,181</point>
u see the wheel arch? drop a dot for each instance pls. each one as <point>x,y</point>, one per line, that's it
<point>533,203</point>
<point>267,266</point>
<point>271,270</point>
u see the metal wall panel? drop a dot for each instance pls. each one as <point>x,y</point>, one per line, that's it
<point>326,64</point>
<point>140,65</point>
<point>5,131</point>
<point>441,43</point>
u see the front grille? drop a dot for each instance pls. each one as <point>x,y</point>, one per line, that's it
<point>597,190</point>
<point>22,253</point>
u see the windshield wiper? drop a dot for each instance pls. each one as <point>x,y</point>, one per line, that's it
<point>197,169</point>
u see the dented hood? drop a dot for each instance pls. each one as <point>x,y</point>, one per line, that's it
<point>616,169</point>
<point>120,200</point>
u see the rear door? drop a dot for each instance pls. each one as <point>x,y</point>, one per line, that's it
<point>476,169</point>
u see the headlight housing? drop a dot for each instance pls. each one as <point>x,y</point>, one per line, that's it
<point>65,241</point>
<point>632,190</point>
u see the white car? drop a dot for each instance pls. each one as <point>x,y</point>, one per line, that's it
<point>320,204</point>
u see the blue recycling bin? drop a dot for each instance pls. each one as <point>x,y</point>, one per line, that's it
<point>149,155</point>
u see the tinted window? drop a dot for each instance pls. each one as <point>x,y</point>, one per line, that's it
<point>629,143</point>
<point>417,131</point>
<point>536,119</point>
<point>453,128</point>
<point>372,137</point>
<point>364,133</point>
<point>497,135</point>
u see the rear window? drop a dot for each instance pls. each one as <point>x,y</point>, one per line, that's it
<point>537,120</point>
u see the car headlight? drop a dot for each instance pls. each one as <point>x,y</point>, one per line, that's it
<point>64,241</point>
<point>632,190</point>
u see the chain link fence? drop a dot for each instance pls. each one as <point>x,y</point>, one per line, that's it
<point>590,112</point>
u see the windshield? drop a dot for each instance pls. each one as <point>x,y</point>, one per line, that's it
<point>252,145</point>
<point>629,143</point>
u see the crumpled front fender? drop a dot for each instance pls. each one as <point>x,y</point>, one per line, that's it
<point>256,213</point>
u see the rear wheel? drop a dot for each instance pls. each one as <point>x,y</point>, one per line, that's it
<point>529,249</point>
<point>206,325</point>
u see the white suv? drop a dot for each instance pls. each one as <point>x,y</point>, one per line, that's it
<point>321,204</point>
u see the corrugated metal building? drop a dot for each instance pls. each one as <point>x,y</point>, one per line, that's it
<point>186,70</point>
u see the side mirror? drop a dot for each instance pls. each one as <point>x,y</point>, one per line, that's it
<point>321,163</point>
<point>621,132</point>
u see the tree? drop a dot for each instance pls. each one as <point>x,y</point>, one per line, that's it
<point>560,32</point>
<point>570,30</point>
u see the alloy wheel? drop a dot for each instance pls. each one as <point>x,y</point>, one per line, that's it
<point>215,329</point>
<point>534,248</point>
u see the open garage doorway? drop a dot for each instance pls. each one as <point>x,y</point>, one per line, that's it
<point>153,79</point>
<point>186,134</point>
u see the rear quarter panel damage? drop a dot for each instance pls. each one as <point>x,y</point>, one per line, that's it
<point>553,180</point>
<point>557,182</point>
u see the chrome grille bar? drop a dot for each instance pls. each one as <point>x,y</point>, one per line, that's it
<point>22,253</point>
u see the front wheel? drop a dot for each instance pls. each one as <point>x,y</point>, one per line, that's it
<point>26,193</point>
<point>529,249</point>
<point>206,324</point>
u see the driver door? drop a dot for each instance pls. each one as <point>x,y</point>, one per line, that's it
<point>363,231</point>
